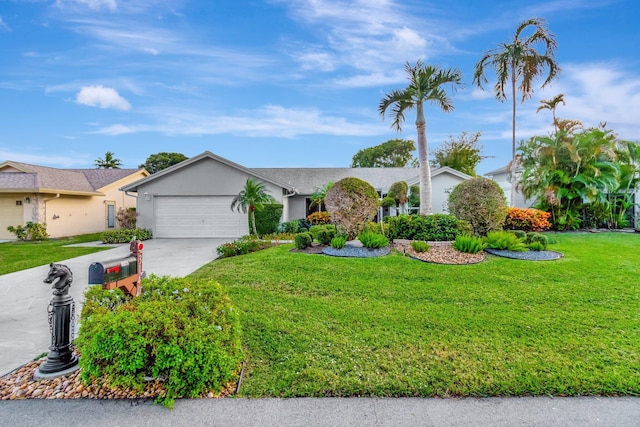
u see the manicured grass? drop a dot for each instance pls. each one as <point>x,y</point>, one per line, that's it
<point>16,256</point>
<point>320,326</point>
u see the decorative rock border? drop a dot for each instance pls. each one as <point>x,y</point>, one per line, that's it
<point>356,252</point>
<point>528,255</point>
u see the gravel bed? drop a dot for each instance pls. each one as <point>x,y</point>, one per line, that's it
<point>356,252</point>
<point>441,253</point>
<point>528,255</point>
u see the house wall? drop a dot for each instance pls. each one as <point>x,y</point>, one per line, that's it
<point>12,214</point>
<point>442,185</point>
<point>297,207</point>
<point>207,177</point>
<point>503,180</point>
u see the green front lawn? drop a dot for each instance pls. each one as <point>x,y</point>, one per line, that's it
<point>320,326</point>
<point>16,256</point>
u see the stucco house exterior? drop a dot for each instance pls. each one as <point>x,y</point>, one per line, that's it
<point>193,198</point>
<point>68,201</point>
<point>503,177</point>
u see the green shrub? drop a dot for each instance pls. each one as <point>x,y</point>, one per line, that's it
<point>125,235</point>
<point>435,227</point>
<point>291,226</point>
<point>481,202</point>
<point>338,242</point>
<point>536,246</point>
<point>468,244</point>
<point>182,331</point>
<point>373,240</point>
<point>522,235</point>
<point>376,227</point>
<point>30,231</point>
<point>387,202</point>
<point>303,240</point>
<point>127,218</point>
<point>420,246</point>
<point>352,203</point>
<point>538,238</point>
<point>268,218</point>
<point>242,246</point>
<point>326,233</point>
<point>504,240</point>
<point>279,236</point>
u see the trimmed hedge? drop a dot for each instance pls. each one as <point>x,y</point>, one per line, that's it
<point>268,218</point>
<point>180,330</point>
<point>125,235</point>
<point>435,227</point>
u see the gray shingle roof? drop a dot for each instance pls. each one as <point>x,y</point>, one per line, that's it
<point>308,180</point>
<point>38,178</point>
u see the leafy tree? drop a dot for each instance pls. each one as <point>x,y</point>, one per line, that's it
<point>317,198</point>
<point>461,154</point>
<point>352,203</point>
<point>399,192</point>
<point>569,169</point>
<point>395,153</point>
<point>425,85</point>
<point>157,162</point>
<point>252,197</point>
<point>109,162</point>
<point>414,196</point>
<point>516,65</point>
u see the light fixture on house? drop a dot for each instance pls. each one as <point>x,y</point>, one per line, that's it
<point>27,200</point>
<point>147,196</point>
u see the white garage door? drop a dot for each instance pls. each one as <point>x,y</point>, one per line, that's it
<point>201,216</point>
<point>10,214</point>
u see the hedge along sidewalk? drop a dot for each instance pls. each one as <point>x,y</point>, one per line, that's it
<point>391,326</point>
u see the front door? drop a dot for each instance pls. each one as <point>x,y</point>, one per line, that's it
<point>111,215</point>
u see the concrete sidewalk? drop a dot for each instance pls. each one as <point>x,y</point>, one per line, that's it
<point>308,412</point>
<point>24,328</point>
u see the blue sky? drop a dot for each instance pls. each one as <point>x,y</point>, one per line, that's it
<point>291,83</point>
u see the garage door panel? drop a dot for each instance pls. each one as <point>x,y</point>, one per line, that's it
<point>198,216</point>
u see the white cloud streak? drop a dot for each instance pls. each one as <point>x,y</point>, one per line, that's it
<point>103,97</point>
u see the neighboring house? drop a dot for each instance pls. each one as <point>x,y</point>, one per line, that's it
<point>68,201</point>
<point>193,198</point>
<point>503,177</point>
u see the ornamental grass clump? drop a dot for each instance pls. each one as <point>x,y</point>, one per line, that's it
<point>338,242</point>
<point>468,244</point>
<point>420,246</point>
<point>181,331</point>
<point>503,240</point>
<point>372,240</point>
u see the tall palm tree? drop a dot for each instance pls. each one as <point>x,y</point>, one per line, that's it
<point>551,105</point>
<point>425,84</point>
<point>516,65</point>
<point>109,162</point>
<point>252,197</point>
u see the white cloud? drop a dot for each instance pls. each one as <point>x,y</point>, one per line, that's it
<point>44,159</point>
<point>112,5</point>
<point>103,97</point>
<point>3,25</point>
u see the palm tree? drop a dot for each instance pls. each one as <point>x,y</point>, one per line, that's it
<point>551,105</point>
<point>425,84</point>
<point>317,198</point>
<point>519,61</point>
<point>252,197</point>
<point>109,162</point>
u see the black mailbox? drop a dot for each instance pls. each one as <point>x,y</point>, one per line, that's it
<point>112,271</point>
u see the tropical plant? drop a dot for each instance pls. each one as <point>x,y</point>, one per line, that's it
<point>516,65</point>
<point>527,219</point>
<point>372,240</point>
<point>395,153</point>
<point>159,161</point>
<point>30,231</point>
<point>338,242</point>
<point>481,202</point>
<point>461,154</point>
<point>425,85</point>
<point>503,240</point>
<point>468,244</point>
<point>551,105</point>
<point>252,197</point>
<point>108,162</point>
<point>319,218</point>
<point>317,198</point>
<point>127,217</point>
<point>420,246</point>
<point>568,170</point>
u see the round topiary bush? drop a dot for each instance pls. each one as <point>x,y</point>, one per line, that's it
<point>352,203</point>
<point>481,202</point>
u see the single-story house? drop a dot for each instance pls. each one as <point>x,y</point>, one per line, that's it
<point>503,177</point>
<point>193,198</point>
<point>68,201</point>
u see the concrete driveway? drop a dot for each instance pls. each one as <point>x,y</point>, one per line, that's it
<point>24,331</point>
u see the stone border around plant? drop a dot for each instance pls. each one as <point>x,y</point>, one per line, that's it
<point>356,252</point>
<point>528,255</point>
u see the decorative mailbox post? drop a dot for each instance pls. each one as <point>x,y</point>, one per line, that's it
<point>125,273</point>
<point>60,360</point>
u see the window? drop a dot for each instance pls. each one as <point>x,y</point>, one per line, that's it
<point>18,202</point>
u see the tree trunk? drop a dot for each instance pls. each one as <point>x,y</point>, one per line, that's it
<point>514,166</point>
<point>253,221</point>
<point>423,157</point>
